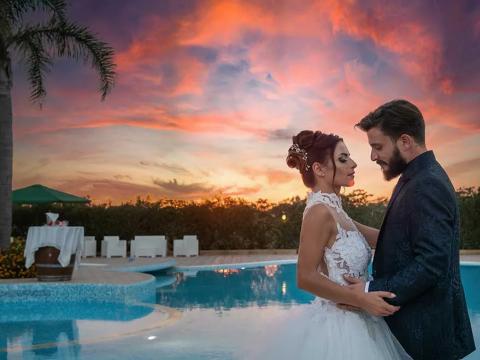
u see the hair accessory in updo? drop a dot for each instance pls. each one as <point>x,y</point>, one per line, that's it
<point>297,158</point>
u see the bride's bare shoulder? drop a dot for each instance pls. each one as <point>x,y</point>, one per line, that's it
<point>318,215</point>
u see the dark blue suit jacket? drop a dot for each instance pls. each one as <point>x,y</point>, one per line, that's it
<point>417,258</point>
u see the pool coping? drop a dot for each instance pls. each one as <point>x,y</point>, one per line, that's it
<point>469,263</point>
<point>262,263</point>
<point>141,268</point>
<point>233,265</point>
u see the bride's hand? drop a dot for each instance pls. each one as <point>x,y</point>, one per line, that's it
<point>374,303</point>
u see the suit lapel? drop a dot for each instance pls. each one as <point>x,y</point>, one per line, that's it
<point>401,182</point>
<point>421,162</point>
<point>396,191</point>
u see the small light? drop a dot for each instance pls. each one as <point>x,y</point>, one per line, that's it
<point>284,217</point>
<point>284,288</point>
<point>151,337</point>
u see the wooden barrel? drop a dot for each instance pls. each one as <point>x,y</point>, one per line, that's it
<point>48,267</point>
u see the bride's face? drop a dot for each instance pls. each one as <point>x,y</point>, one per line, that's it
<point>345,172</point>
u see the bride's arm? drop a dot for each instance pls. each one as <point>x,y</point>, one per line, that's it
<point>369,233</point>
<point>318,228</point>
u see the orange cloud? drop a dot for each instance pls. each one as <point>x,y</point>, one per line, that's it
<point>231,81</point>
<point>273,176</point>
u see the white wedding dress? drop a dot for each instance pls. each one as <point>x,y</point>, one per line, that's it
<point>321,330</point>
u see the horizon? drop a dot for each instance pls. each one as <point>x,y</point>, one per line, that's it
<point>209,94</point>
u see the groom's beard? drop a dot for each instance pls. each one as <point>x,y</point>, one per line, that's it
<point>396,165</point>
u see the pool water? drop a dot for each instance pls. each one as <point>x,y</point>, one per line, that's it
<point>219,314</point>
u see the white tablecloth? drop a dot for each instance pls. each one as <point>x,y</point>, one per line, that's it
<point>67,239</point>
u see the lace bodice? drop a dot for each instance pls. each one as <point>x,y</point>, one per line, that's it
<point>350,253</point>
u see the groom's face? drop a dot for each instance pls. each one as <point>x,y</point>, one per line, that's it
<point>385,153</point>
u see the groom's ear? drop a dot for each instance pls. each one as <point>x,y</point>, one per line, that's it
<point>405,142</point>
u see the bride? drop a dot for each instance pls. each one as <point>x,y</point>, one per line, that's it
<point>340,323</point>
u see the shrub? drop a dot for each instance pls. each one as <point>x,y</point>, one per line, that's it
<point>226,223</point>
<point>12,262</point>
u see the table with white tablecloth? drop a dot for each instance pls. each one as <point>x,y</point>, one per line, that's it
<point>67,239</point>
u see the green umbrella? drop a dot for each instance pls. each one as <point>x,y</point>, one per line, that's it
<point>39,194</point>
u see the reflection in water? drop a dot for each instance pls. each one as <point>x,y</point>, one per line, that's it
<point>270,270</point>
<point>227,272</point>
<point>58,331</point>
<point>50,329</point>
<point>249,287</point>
<point>42,337</point>
<point>255,298</point>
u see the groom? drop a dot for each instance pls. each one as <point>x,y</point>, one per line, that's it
<point>417,253</point>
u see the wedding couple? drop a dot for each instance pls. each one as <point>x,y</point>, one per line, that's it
<point>414,306</point>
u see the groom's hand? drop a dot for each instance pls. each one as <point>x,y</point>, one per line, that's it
<point>373,302</point>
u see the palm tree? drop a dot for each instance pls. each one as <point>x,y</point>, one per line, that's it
<point>37,45</point>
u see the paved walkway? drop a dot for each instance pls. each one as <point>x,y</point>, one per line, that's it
<point>474,258</point>
<point>203,260</point>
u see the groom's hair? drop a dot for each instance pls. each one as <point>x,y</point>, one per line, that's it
<point>395,118</point>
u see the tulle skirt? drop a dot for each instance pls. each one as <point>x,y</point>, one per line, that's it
<point>322,331</point>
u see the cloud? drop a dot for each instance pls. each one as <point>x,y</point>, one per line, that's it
<point>102,190</point>
<point>174,188</point>
<point>463,167</point>
<point>122,177</point>
<point>273,176</point>
<point>168,167</point>
<point>201,190</point>
<point>240,191</point>
<point>282,134</point>
<point>223,85</point>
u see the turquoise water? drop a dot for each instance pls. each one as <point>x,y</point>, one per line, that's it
<point>220,315</point>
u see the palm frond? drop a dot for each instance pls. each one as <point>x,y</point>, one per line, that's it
<point>77,42</point>
<point>39,63</point>
<point>15,10</point>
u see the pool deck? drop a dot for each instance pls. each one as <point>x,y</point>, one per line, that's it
<point>123,264</point>
<point>470,258</point>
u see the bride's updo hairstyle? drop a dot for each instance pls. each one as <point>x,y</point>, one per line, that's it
<point>310,147</point>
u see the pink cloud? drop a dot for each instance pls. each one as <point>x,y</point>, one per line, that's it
<point>272,70</point>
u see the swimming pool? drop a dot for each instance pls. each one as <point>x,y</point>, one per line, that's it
<point>200,314</point>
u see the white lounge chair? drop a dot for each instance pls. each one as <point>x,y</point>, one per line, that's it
<point>148,245</point>
<point>89,246</point>
<point>188,246</point>
<point>113,246</point>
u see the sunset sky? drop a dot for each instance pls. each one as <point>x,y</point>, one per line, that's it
<point>209,94</point>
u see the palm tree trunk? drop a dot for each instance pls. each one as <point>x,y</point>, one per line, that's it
<point>6,151</point>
